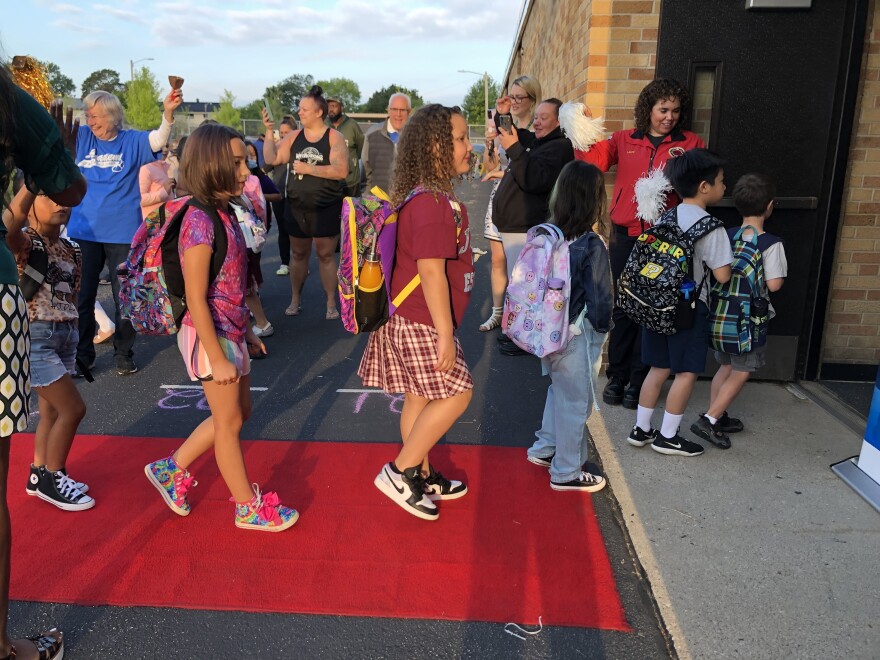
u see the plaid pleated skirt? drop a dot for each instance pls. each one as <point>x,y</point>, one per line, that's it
<point>400,357</point>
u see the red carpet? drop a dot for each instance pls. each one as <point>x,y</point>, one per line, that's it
<point>510,550</point>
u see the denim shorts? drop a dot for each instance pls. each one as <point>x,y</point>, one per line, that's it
<point>683,352</point>
<point>53,350</point>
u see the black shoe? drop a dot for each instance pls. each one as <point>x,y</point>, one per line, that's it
<point>709,431</point>
<point>639,438</point>
<point>78,370</point>
<point>511,349</point>
<point>631,397</point>
<point>676,446</point>
<point>585,483</point>
<point>438,487</point>
<point>537,460</point>
<point>613,392</point>
<point>59,489</point>
<point>503,339</point>
<point>728,424</point>
<point>125,366</point>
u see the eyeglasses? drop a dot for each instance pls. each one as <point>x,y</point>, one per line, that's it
<point>90,115</point>
<point>403,110</point>
<point>516,98</point>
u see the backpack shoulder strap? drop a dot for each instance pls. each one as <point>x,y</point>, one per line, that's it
<point>702,227</point>
<point>221,242</point>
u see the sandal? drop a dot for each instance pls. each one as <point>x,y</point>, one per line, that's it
<point>293,310</point>
<point>332,314</point>
<point>491,323</point>
<point>47,646</point>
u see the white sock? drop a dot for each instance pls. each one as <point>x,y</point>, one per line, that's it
<point>711,419</point>
<point>670,425</point>
<point>643,418</point>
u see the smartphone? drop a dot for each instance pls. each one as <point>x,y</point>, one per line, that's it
<point>268,109</point>
<point>505,122</point>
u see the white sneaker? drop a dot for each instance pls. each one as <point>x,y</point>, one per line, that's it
<point>283,270</point>
<point>266,331</point>
<point>407,490</point>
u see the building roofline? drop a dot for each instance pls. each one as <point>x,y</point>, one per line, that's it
<point>523,19</point>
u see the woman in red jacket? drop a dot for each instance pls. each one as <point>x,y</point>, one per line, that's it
<point>662,108</point>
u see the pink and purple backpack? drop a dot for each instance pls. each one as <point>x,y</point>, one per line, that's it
<point>536,305</point>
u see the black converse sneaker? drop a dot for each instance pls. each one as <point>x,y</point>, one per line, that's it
<point>407,490</point>
<point>59,489</point>
<point>676,446</point>
<point>34,479</point>
<point>538,460</point>
<point>438,487</point>
<point>585,483</point>
<point>639,438</point>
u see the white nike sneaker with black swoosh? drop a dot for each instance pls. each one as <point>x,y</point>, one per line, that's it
<point>676,446</point>
<point>407,490</point>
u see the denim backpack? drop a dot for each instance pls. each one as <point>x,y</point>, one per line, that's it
<point>535,316</point>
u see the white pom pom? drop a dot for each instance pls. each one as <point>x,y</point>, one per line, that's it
<point>650,197</point>
<point>583,131</point>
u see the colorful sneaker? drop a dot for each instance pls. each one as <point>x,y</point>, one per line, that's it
<point>585,483</point>
<point>172,482</point>
<point>60,490</point>
<point>438,487</point>
<point>639,438</point>
<point>538,460</point>
<point>264,513</point>
<point>407,490</point>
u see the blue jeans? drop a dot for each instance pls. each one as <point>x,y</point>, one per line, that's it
<point>563,432</point>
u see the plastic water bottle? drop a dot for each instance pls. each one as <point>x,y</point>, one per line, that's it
<point>370,277</point>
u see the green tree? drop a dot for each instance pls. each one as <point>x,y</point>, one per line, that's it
<point>474,103</point>
<point>253,110</point>
<point>287,93</point>
<point>344,89</point>
<point>104,79</point>
<point>61,85</point>
<point>378,102</point>
<point>227,114</point>
<point>142,107</point>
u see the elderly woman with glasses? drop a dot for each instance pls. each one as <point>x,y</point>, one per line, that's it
<point>110,158</point>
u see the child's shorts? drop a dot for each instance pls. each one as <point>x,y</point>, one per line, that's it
<point>53,350</point>
<point>748,362</point>
<point>196,360</point>
<point>683,352</point>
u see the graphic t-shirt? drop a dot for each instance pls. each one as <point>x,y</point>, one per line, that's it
<point>226,292</point>
<point>111,209</point>
<point>56,299</point>
<point>427,229</point>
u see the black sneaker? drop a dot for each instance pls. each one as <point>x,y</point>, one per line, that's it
<point>59,489</point>
<point>537,460</point>
<point>125,366</point>
<point>676,446</point>
<point>709,431</point>
<point>79,373</point>
<point>585,483</point>
<point>631,397</point>
<point>639,438</point>
<point>729,424</point>
<point>438,487</point>
<point>613,392</point>
<point>34,479</point>
<point>407,490</point>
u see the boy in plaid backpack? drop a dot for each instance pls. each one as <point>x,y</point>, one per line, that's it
<point>753,196</point>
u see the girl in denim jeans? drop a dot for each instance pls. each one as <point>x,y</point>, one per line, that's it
<point>54,335</point>
<point>577,207</point>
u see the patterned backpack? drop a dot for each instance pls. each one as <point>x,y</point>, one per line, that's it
<point>739,313</point>
<point>367,220</point>
<point>649,289</point>
<point>151,288</point>
<point>535,315</point>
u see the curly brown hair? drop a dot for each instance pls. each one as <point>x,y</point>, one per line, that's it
<point>425,153</point>
<point>661,89</point>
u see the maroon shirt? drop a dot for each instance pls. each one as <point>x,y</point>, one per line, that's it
<point>427,230</point>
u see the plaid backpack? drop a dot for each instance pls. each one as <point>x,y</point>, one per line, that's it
<point>739,313</point>
<point>535,314</point>
<point>649,289</point>
<point>367,220</point>
<point>151,288</point>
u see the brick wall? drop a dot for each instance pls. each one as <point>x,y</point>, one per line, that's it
<point>852,329</point>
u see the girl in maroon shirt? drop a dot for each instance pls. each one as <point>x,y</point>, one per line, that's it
<point>417,352</point>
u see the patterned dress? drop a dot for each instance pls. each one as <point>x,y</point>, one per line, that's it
<point>15,368</point>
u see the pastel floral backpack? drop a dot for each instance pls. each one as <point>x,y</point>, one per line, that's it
<point>535,313</point>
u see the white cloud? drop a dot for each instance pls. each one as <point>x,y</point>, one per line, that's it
<point>73,26</point>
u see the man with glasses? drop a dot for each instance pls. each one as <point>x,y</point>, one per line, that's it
<point>380,145</point>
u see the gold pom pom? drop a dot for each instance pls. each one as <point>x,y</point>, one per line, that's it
<point>30,75</point>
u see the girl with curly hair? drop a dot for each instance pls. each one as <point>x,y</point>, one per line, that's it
<point>417,352</point>
<point>661,111</point>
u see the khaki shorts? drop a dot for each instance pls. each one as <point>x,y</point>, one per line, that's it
<point>750,362</point>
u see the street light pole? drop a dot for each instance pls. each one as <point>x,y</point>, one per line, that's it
<point>485,75</point>
<point>131,64</point>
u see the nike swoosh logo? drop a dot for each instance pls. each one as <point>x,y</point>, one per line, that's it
<point>391,479</point>
<point>673,445</point>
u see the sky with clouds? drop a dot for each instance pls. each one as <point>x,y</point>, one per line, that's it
<point>246,45</point>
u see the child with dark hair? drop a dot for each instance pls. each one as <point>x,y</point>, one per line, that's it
<point>577,204</point>
<point>753,195</point>
<point>698,178</point>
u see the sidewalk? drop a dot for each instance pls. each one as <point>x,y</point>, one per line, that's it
<point>759,551</point>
